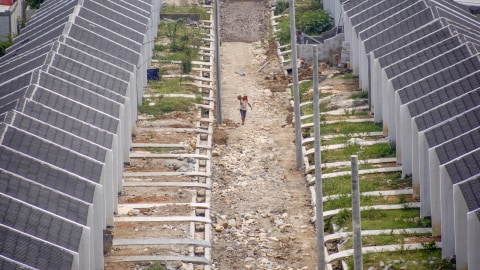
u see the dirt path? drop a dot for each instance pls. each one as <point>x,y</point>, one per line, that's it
<point>261,205</point>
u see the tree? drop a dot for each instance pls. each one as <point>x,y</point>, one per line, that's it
<point>34,4</point>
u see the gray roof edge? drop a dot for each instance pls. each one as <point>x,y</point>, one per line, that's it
<point>21,265</point>
<point>58,145</point>
<point>432,128</point>
<point>459,137</point>
<point>34,87</point>
<point>39,239</point>
<point>438,71</point>
<point>46,187</point>
<point>440,89</point>
<point>53,167</point>
<point>44,211</point>
<point>10,117</point>
<point>41,71</point>
<point>432,60</point>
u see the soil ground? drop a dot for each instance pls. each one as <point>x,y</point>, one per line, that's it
<point>261,205</point>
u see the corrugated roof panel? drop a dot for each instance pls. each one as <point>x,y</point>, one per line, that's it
<point>30,44</point>
<point>453,127</point>
<point>106,7</point>
<point>36,27</point>
<point>45,174</point>
<point>41,224</point>
<point>458,146</point>
<point>439,79</point>
<point>118,50</point>
<point>6,264</point>
<point>108,93</point>
<point>95,52</point>
<point>378,13</point>
<point>80,70</point>
<point>444,94</point>
<point>416,46</point>
<point>18,68</point>
<point>55,135</point>
<point>464,168</point>
<point>428,63</point>
<point>448,110</point>
<point>119,25</point>
<point>74,92</point>
<point>114,37</point>
<point>43,197</point>
<point>74,109</point>
<point>423,56</point>
<point>356,6</point>
<point>399,26</point>
<point>408,38</point>
<point>471,192</point>
<point>396,18</point>
<point>51,153</point>
<point>66,122</point>
<point>33,252</point>
<point>93,62</point>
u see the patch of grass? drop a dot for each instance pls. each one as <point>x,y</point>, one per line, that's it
<point>347,128</point>
<point>172,86</point>
<point>384,239</point>
<point>378,150</point>
<point>172,9</point>
<point>156,266</point>
<point>412,259</point>
<point>368,182</point>
<point>308,109</point>
<point>347,75</point>
<point>348,168</point>
<point>375,219</point>
<point>345,201</point>
<point>162,149</point>
<point>359,95</point>
<point>161,105</point>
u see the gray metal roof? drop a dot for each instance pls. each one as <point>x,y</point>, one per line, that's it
<point>379,12</point>
<point>45,174</point>
<point>445,94</point>
<point>39,223</point>
<point>471,192</point>
<point>438,57</point>
<point>65,85</point>
<point>453,127</point>
<point>55,135</point>
<point>448,110</point>
<point>417,45</point>
<point>116,49</point>
<point>439,79</point>
<point>33,252</point>
<point>66,122</point>
<point>458,146</point>
<point>43,197</point>
<point>433,55</point>
<point>396,26</point>
<point>464,168</point>
<point>413,36</point>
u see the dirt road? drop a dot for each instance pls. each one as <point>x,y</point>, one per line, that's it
<point>261,205</point>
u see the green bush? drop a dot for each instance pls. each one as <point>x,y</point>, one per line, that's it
<point>281,7</point>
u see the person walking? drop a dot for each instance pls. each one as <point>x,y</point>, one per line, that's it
<point>243,107</point>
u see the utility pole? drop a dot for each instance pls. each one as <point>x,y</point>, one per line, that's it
<point>357,228</point>
<point>217,62</point>
<point>318,168</point>
<point>296,94</point>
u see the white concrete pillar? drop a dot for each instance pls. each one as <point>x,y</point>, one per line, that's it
<point>447,216</point>
<point>460,221</point>
<point>473,234</point>
<point>416,171</point>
